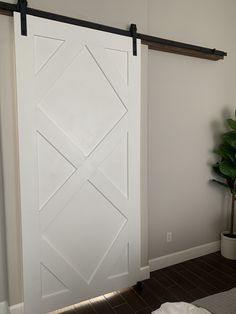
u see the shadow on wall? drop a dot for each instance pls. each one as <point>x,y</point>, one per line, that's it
<point>217,128</point>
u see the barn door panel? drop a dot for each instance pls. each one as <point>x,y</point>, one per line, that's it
<point>78,96</point>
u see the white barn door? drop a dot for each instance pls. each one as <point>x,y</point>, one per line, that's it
<point>78,97</point>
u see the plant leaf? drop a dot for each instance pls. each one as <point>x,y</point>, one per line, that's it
<point>227,152</point>
<point>216,169</point>
<point>228,169</point>
<point>231,124</point>
<point>230,138</point>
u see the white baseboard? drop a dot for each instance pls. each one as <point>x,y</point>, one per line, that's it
<point>185,255</point>
<point>4,308</point>
<point>145,272</point>
<point>17,309</point>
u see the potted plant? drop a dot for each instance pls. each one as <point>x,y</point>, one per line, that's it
<point>225,168</point>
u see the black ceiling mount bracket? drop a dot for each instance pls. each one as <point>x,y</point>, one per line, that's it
<point>22,8</point>
<point>133,31</point>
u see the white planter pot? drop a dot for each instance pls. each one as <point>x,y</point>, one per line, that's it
<point>228,246</point>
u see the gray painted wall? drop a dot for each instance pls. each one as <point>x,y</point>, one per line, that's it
<point>9,153</point>
<point>3,268</point>
<point>186,99</point>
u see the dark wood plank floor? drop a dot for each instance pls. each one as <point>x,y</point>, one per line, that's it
<point>187,282</point>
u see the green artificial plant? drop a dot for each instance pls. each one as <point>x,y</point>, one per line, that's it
<point>226,167</point>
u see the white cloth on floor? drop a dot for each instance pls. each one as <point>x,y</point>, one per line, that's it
<point>180,308</point>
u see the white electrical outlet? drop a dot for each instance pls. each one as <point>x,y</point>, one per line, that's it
<point>168,236</point>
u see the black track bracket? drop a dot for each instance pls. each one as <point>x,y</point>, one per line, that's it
<point>139,286</point>
<point>133,31</point>
<point>22,8</point>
